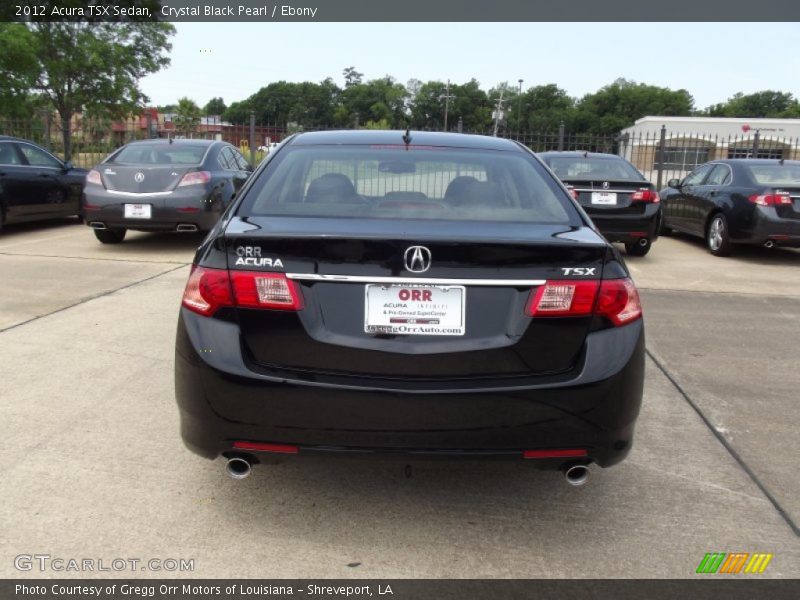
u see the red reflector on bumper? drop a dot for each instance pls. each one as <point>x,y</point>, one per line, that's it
<point>259,447</point>
<point>562,453</point>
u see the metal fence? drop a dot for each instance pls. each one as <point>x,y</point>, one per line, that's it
<point>660,155</point>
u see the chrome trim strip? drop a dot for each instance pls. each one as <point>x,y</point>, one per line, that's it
<point>415,280</point>
<point>609,191</point>
<point>139,194</point>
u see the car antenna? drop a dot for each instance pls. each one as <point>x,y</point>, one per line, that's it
<point>407,137</point>
<point>780,162</point>
<point>585,155</point>
<point>171,140</point>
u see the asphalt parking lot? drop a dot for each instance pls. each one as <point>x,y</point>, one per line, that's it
<point>93,466</point>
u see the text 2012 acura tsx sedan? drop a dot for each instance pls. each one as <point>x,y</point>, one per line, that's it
<point>409,293</point>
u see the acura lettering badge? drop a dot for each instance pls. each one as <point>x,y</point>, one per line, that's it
<point>417,259</point>
<point>139,177</point>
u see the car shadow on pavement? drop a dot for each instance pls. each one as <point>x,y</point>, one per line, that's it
<point>11,231</point>
<point>745,252</point>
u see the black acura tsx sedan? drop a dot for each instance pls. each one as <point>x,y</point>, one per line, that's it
<point>737,201</point>
<point>162,185</point>
<point>411,293</point>
<point>621,202</point>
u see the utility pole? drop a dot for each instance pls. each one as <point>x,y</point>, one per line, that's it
<point>447,98</point>
<point>498,112</point>
<point>519,107</point>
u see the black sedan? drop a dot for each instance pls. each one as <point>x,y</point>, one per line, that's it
<point>425,294</point>
<point>620,201</point>
<point>737,201</point>
<point>162,185</point>
<point>36,185</point>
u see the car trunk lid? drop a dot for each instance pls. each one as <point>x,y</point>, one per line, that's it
<point>142,179</point>
<point>354,279</point>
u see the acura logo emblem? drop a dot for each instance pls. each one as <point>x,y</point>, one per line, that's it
<point>605,185</point>
<point>417,259</point>
<point>139,177</point>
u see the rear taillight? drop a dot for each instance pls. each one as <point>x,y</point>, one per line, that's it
<point>265,290</point>
<point>195,178</point>
<point>645,195</point>
<point>563,299</point>
<point>615,299</point>
<point>208,290</point>
<point>94,178</point>
<point>618,301</point>
<point>770,199</point>
<point>575,193</point>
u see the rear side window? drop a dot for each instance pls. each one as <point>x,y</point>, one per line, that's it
<point>589,168</point>
<point>8,154</point>
<point>786,174</point>
<point>39,158</point>
<point>160,154</point>
<point>418,183</point>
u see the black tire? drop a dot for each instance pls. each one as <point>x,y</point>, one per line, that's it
<point>634,249</point>
<point>718,241</point>
<point>2,219</point>
<point>663,229</point>
<point>110,236</point>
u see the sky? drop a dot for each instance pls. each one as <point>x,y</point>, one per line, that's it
<point>712,61</point>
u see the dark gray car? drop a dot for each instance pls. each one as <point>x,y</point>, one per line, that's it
<point>162,185</point>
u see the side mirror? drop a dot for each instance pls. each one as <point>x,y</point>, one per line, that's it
<point>674,183</point>
<point>68,166</point>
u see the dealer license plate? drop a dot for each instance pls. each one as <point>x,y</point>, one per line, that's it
<point>138,211</point>
<point>604,198</point>
<point>414,309</point>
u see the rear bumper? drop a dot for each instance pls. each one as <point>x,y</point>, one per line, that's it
<point>769,227</point>
<point>221,401</point>
<point>628,228</point>
<point>167,211</point>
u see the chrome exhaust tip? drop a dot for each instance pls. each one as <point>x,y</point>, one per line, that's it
<point>643,242</point>
<point>186,227</point>
<point>769,244</point>
<point>576,474</point>
<point>238,467</point>
<point>97,225</point>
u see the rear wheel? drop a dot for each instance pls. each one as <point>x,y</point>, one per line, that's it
<point>110,236</point>
<point>637,249</point>
<point>663,229</point>
<point>717,238</point>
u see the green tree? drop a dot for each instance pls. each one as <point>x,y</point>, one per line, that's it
<point>308,104</point>
<point>187,116</point>
<point>351,76</point>
<point>469,102</point>
<point>543,108</point>
<point>77,65</point>
<point>215,106</point>
<point>373,101</point>
<point>767,103</point>
<point>619,104</point>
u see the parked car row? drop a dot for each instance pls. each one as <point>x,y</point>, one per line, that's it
<point>185,185</point>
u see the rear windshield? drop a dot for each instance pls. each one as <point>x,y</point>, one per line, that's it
<point>569,167</point>
<point>160,154</point>
<point>776,175</point>
<point>418,183</point>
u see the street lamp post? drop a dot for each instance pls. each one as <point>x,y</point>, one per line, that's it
<point>519,107</point>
